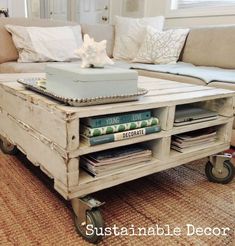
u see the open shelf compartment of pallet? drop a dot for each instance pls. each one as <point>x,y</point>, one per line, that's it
<point>48,132</point>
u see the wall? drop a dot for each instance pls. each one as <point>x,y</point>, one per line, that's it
<point>3,4</point>
<point>200,21</point>
<point>158,7</point>
<point>16,7</point>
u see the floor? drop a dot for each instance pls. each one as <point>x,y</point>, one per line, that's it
<point>32,213</point>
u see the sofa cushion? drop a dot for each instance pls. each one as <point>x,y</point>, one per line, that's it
<point>101,32</point>
<point>20,67</point>
<point>7,47</point>
<point>213,46</point>
<point>207,74</point>
<point>223,84</point>
<point>39,67</point>
<point>173,77</point>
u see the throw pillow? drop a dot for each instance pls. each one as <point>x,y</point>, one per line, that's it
<point>129,34</point>
<point>161,47</point>
<point>41,44</point>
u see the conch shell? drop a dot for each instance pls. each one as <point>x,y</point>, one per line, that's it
<point>93,54</point>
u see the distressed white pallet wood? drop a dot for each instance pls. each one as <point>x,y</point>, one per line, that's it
<point>89,184</point>
<point>37,116</point>
<point>48,131</point>
<point>153,102</point>
<point>220,121</point>
<point>157,92</point>
<point>38,150</point>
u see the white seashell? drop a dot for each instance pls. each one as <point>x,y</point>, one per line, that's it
<point>93,54</point>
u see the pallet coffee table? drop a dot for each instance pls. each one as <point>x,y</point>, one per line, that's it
<point>47,132</point>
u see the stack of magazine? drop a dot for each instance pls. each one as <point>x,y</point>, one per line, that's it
<point>118,159</point>
<point>188,141</point>
<point>110,128</point>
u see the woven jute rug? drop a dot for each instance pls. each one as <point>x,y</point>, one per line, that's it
<point>32,213</point>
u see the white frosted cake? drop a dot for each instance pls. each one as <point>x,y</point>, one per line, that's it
<point>71,81</point>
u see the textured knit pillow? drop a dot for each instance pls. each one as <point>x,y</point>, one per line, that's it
<point>161,47</point>
<point>41,44</point>
<point>129,34</point>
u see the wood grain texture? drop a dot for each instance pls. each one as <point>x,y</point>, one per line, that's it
<point>48,131</point>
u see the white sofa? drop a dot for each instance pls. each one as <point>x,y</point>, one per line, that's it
<point>208,57</point>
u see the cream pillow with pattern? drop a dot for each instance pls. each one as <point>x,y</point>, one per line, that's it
<point>129,34</point>
<point>161,47</point>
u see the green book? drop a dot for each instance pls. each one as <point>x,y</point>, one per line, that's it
<point>114,119</point>
<point>120,135</point>
<point>94,132</point>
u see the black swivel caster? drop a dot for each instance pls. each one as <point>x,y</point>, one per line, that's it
<point>8,148</point>
<point>88,219</point>
<point>223,174</point>
<point>90,230</point>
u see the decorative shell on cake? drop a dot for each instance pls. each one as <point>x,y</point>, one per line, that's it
<point>93,54</point>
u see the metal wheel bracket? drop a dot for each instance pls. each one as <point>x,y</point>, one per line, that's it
<point>7,146</point>
<point>218,160</point>
<point>6,140</point>
<point>82,205</point>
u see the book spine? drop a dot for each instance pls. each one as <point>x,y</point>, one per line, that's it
<point>94,132</point>
<point>117,119</point>
<point>123,135</point>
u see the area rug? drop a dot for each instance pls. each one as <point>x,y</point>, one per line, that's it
<point>32,213</point>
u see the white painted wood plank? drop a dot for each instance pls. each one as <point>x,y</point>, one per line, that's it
<point>37,151</point>
<point>150,102</point>
<point>170,117</point>
<point>162,115</point>
<point>162,86</point>
<point>224,132</point>
<point>89,184</point>
<point>84,149</point>
<point>46,122</point>
<point>19,90</point>
<point>224,106</point>
<point>157,92</point>
<point>192,127</point>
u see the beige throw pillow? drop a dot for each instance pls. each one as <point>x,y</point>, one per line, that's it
<point>161,47</point>
<point>40,44</point>
<point>129,34</point>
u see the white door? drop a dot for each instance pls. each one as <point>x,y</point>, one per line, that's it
<point>95,11</point>
<point>58,9</point>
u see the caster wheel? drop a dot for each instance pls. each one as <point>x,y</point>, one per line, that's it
<point>224,176</point>
<point>8,148</point>
<point>95,219</point>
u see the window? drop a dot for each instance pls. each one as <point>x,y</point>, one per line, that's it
<point>182,8</point>
<point>184,4</point>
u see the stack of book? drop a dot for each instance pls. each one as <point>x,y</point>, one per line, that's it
<point>105,129</point>
<point>188,141</point>
<point>118,159</point>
